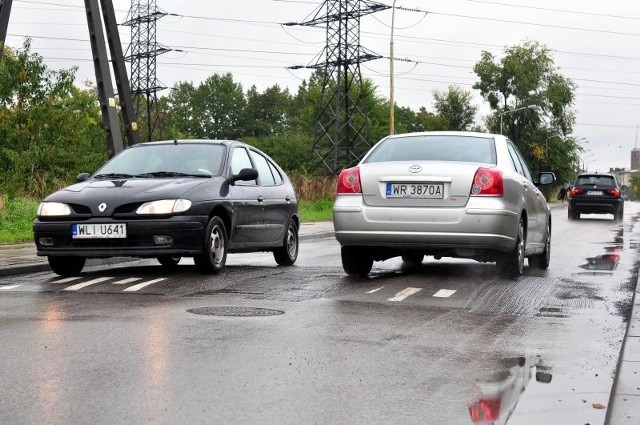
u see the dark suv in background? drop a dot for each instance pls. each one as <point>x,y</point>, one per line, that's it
<point>595,193</point>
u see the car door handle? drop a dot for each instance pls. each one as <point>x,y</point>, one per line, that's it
<point>260,198</point>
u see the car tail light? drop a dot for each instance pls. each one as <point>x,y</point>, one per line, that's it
<point>613,192</point>
<point>484,410</point>
<point>576,191</point>
<point>349,181</point>
<point>487,182</point>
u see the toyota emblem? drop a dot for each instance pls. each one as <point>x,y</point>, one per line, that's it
<point>415,168</point>
<point>102,207</point>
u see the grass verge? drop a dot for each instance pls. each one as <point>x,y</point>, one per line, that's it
<point>16,220</point>
<point>315,210</point>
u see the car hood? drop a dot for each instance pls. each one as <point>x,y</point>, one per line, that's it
<point>117,192</point>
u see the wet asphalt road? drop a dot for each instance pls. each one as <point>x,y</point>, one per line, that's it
<point>434,344</point>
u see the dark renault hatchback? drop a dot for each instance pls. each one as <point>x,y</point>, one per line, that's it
<point>595,193</point>
<point>172,199</point>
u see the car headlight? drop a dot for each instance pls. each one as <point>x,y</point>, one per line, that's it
<point>52,209</point>
<point>164,206</point>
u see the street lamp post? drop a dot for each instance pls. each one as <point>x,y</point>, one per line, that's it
<point>514,110</point>
<point>392,104</point>
<point>583,161</point>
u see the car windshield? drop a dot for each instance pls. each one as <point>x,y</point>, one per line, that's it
<point>166,160</point>
<point>435,148</point>
<point>596,180</point>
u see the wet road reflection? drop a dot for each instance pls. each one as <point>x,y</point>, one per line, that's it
<point>501,391</point>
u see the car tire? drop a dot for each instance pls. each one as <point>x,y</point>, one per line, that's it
<point>66,266</point>
<point>543,259</point>
<point>617,216</point>
<point>169,261</point>
<point>413,258</point>
<point>214,252</point>
<point>287,254</point>
<point>573,214</point>
<point>355,262</point>
<point>511,265</point>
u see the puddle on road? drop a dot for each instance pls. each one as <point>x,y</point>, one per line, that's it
<point>501,391</point>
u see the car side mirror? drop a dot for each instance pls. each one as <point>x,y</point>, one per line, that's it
<point>246,174</point>
<point>546,177</point>
<point>83,177</point>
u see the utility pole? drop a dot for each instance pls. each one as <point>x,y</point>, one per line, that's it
<point>106,95</point>
<point>342,126</point>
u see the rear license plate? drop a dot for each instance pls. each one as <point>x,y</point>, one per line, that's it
<point>595,192</point>
<point>415,190</point>
<point>99,231</point>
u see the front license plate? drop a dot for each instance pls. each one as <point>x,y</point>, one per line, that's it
<point>415,190</point>
<point>99,231</point>
<point>594,192</point>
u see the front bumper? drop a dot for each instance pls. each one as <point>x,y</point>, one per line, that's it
<point>186,232</point>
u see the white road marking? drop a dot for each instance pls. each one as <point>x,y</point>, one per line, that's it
<point>85,284</point>
<point>142,285</point>
<point>444,293</point>
<point>67,279</point>
<point>374,290</point>
<point>125,281</point>
<point>9,287</point>
<point>404,294</point>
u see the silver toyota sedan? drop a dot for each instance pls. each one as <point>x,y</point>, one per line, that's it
<point>445,194</point>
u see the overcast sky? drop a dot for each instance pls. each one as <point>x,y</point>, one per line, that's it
<point>594,43</point>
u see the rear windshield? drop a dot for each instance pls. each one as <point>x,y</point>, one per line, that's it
<point>435,148</point>
<point>596,180</point>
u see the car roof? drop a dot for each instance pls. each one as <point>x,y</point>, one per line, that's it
<point>448,133</point>
<point>180,141</point>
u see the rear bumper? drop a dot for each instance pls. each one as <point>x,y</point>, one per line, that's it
<point>487,226</point>
<point>596,206</point>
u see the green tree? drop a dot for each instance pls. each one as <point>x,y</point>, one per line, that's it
<point>50,130</point>
<point>455,106</point>
<point>525,76</point>
<point>267,113</point>
<point>532,102</point>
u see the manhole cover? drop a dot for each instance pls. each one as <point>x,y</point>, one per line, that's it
<point>235,311</point>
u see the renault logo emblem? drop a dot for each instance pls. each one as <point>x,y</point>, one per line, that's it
<point>102,207</point>
<point>415,168</point>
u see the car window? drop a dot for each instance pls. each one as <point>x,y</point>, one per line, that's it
<point>435,148</point>
<point>596,180</point>
<point>276,174</point>
<point>239,160</point>
<point>522,169</point>
<point>264,172</point>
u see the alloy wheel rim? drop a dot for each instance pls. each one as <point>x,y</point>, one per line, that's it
<point>217,245</point>
<point>291,243</point>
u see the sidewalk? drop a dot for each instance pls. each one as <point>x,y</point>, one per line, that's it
<point>624,404</point>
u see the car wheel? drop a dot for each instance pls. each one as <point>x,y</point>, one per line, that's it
<point>413,258</point>
<point>287,254</point>
<point>355,262</point>
<point>214,253</point>
<point>617,216</point>
<point>512,264</point>
<point>573,214</point>
<point>543,259</point>
<point>169,261</point>
<point>66,266</point>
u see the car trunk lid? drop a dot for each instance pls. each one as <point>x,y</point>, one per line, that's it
<point>417,184</point>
